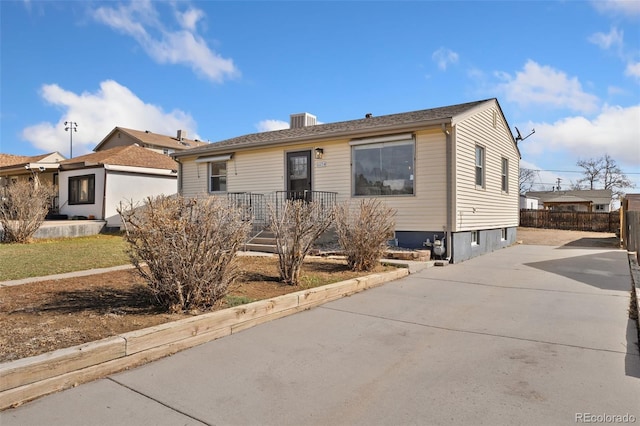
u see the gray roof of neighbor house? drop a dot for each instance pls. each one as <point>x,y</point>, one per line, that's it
<point>128,155</point>
<point>150,138</point>
<point>353,128</point>
<point>597,196</point>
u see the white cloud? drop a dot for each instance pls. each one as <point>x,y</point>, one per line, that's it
<point>190,18</point>
<point>633,70</point>
<point>624,7</point>
<point>614,131</point>
<point>444,57</point>
<point>97,114</point>
<point>140,19</point>
<point>615,38</point>
<point>269,125</point>
<point>543,85</point>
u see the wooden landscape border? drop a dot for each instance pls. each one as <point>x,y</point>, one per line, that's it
<point>29,378</point>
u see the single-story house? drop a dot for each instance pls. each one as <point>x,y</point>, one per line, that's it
<point>584,200</point>
<point>162,144</point>
<point>92,186</point>
<point>451,172</point>
<point>43,168</point>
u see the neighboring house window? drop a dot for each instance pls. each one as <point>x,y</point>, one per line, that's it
<point>505,175</point>
<point>480,166</point>
<point>475,238</point>
<point>218,176</point>
<point>82,189</point>
<point>385,168</point>
<point>600,207</point>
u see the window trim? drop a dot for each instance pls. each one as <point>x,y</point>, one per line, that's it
<point>210,176</point>
<point>475,238</point>
<point>504,181</point>
<point>482,167</point>
<point>382,142</point>
<point>91,190</point>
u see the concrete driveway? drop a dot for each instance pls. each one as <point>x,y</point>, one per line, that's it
<point>525,335</point>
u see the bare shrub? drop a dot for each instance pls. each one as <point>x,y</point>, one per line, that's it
<point>189,247</point>
<point>363,232</point>
<point>23,208</point>
<point>297,224</point>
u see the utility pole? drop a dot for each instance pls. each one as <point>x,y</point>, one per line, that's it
<point>71,126</point>
<point>558,183</point>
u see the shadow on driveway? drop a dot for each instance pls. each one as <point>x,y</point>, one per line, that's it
<point>601,270</point>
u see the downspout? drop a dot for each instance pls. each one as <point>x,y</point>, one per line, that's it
<point>179,180</point>
<point>104,196</point>
<point>449,188</point>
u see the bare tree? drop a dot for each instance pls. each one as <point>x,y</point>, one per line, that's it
<point>527,179</point>
<point>297,224</point>
<point>188,246</point>
<point>606,172</point>
<point>613,178</point>
<point>592,171</point>
<point>23,209</point>
<point>363,232</point>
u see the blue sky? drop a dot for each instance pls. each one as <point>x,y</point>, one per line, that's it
<point>569,69</point>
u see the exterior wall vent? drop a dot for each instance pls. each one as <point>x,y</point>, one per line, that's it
<point>302,119</point>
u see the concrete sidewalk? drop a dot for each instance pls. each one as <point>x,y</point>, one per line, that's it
<point>525,335</point>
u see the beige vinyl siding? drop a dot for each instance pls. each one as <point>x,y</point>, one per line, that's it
<point>194,177</point>
<point>488,207</point>
<point>263,171</point>
<point>118,139</point>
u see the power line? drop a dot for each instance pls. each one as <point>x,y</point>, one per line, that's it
<point>576,171</point>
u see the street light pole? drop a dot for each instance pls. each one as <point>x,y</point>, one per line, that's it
<point>71,126</point>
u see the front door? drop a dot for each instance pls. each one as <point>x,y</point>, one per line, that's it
<point>299,175</point>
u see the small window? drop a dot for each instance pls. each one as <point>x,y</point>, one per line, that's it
<point>600,207</point>
<point>480,166</point>
<point>475,238</point>
<point>505,175</point>
<point>503,236</point>
<point>218,176</point>
<point>82,189</point>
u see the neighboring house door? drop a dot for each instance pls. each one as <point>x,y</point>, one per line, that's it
<point>299,175</point>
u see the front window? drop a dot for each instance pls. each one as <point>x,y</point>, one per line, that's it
<point>82,189</point>
<point>479,166</point>
<point>218,176</point>
<point>385,168</point>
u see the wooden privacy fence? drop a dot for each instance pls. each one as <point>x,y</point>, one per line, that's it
<point>631,233</point>
<point>575,221</point>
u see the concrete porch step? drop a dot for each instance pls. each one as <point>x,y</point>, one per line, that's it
<point>264,248</point>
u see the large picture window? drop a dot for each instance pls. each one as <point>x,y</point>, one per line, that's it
<point>82,189</point>
<point>218,176</point>
<point>385,168</point>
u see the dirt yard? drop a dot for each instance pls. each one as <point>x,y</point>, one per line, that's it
<point>41,317</point>
<point>558,237</point>
<point>44,316</point>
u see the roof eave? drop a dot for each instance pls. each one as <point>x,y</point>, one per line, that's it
<point>413,126</point>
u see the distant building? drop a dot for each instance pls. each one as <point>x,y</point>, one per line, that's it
<point>592,200</point>
<point>162,144</point>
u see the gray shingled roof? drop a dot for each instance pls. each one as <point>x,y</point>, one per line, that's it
<point>351,128</point>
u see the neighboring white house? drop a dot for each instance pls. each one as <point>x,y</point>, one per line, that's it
<point>584,200</point>
<point>92,186</point>
<point>449,172</point>
<point>529,203</point>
